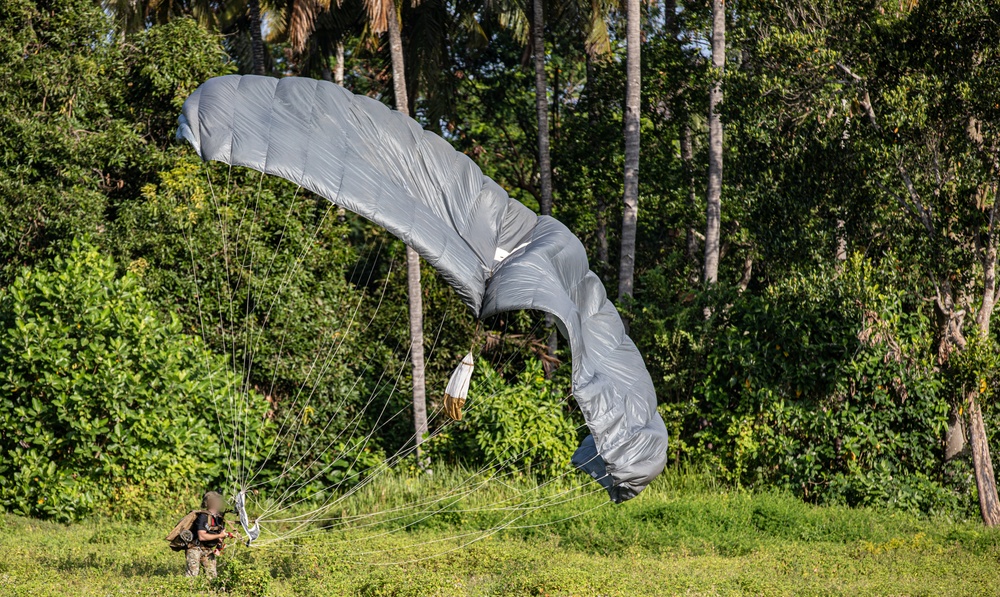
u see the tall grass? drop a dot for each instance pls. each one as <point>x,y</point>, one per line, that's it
<point>684,535</point>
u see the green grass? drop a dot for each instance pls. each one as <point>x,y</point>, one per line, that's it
<point>681,537</point>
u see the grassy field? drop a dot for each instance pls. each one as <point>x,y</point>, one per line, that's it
<point>680,537</point>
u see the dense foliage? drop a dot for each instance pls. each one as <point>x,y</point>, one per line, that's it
<point>520,423</point>
<point>103,400</point>
<point>847,335</point>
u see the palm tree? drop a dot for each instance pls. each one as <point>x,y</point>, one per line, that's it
<point>300,27</point>
<point>256,42</point>
<point>382,16</point>
<point>713,213</point>
<point>590,15</point>
<point>541,106</point>
<point>315,31</point>
<point>131,16</point>
<point>542,113</point>
<point>633,86</point>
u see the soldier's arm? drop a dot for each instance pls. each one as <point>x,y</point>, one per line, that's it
<point>206,536</point>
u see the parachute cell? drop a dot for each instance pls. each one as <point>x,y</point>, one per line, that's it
<point>496,253</point>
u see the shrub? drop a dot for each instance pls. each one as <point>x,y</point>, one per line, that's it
<point>520,424</point>
<point>103,402</point>
<point>240,574</point>
<point>824,384</point>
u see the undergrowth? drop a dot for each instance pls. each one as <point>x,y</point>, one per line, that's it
<point>684,535</point>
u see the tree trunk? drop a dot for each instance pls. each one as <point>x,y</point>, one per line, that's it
<point>338,72</point>
<point>687,160</point>
<point>989,506</point>
<point>603,258</point>
<point>841,255</point>
<point>713,213</point>
<point>412,259</point>
<point>954,438</point>
<point>417,347</point>
<point>692,247</point>
<point>542,107</point>
<point>396,52</point>
<point>256,41</point>
<point>542,115</point>
<point>630,197</point>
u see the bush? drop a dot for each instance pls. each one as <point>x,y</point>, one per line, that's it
<point>824,384</point>
<point>521,426</point>
<point>240,574</point>
<point>103,402</point>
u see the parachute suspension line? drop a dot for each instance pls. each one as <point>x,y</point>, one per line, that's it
<point>275,300</point>
<point>401,453</point>
<point>267,274</point>
<point>288,465</point>
<point>283,433</point>
<point>353,425</point>
<point>239,257</point>
<point>295,483</point>
<point>428,507</point>
<point>312,519</point>
<point>234,282</point>
<point>491,530</point>
<point>522,511</point>
<point>497,474</point>
<point>530,507</point>
<point>353,428</point>
<point>453,491</point>
<point>330,354</point>
<point>230,294</point>
<point>355,421</point>
<point>248,351</point>
<point>233,443</point>
<point>211,366</point>
<point>329,358</point>
<point>291,411</point>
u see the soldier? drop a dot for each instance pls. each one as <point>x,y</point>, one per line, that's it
<point>207,533</point>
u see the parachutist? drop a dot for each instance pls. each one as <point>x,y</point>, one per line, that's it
<point>201,535</point>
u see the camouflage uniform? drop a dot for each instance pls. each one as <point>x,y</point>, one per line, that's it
<point>200,557</point>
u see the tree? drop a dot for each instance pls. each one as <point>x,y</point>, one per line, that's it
<point>898,112</point>
<point>315,31</point>
<point>541,105</point>
<point>384,17</point>
<point>542,115</point>
<point>100,394</point>
<point>713,211</point>
<point>633,87</point>
<point>227,17</point>
<point>256,42</point>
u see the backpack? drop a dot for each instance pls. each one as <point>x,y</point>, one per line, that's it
<point>181,537</point>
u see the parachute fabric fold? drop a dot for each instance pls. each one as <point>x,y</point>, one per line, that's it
<point>497,254</point>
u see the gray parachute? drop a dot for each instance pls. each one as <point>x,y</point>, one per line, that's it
<point>497,254</point>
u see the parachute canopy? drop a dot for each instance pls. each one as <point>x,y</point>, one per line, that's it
<point>495,252</point>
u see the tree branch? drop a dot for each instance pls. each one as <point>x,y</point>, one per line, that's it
<point>918,209</point>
